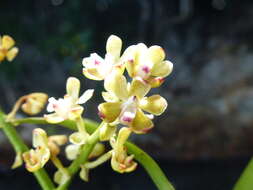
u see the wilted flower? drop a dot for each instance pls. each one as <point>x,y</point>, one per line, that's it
<point>68,107</point>
<point>97,68</point>
<point>34,103</point>
<point>147,63</point>
<point>120,161</point>
<point>6,48</point>
<point>126,103</point>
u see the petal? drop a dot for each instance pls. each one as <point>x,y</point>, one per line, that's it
<point>141,53</point>
<point>7,42</point>
<point>45,155</point>
<point>39,138</point>
<point>78,138</point>
<point>53,118</point>
<point>154,104</point>
<point>75,112</point>
<point>72,151</point>
<point>92,61</point>
<point>50,106</point>
<point>155,82</point>
<point>109,97</point>
<point>139,88</point>
<point>11,54</point>
<point>129,57</point>
<point>107,131</point>
<point>116,83</point>
<point>2,55</point>
<point>73,87</point>
<point>114,45</point>
<point>156,54</point>
<point>92,73</point>
<point>162,69</point>
<point>86,96</point>
<point>141,123</point>
<point>58,139</point>
<point>109,111</point>
<point>119,148</point>
<point>32,161</point>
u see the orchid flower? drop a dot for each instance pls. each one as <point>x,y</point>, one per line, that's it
<point>69,106</point>
<point>126,102</point>
<point>147,63</point>
<point>120,161</point>
<point>6,48</point>
<point>45,147</point>
<point>97,68</point>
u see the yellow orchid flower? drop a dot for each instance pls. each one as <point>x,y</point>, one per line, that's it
<point>6,48</point>
<point>69,106</point>
<point>126,102</point>
<point>97,68</point>
<point>147,63</point>
<point>45,147</point>
<point>120,161</point>
<point>36,158</point>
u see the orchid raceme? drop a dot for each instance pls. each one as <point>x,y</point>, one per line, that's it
<point>120,161</point>
<point>97,68</point>
<point>69,106</point>
<point>45,147</point>
<point>147,63</point>
<point>125,103</point>
<point>6,48</point>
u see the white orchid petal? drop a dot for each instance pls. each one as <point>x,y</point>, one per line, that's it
<point>85,96</point>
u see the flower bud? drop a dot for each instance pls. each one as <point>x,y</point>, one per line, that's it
<point>97,150</point>
<point>106,131</point>
<point>61,176</point>
<point>72,151</point>
<point>18,161</point>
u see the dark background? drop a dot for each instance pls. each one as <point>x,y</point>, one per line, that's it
<point>204,139</point>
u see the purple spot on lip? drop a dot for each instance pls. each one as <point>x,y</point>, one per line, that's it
<point>127,119</point>
<point>131,60</point>
<point>145,69</point>
<point>96,62</point>
<point>101,115</point>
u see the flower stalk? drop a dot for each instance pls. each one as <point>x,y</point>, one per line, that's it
<point>152,168</point>
<point>19,146</point>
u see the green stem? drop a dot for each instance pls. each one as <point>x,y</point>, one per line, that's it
<point>245,182</point>
<point>143,158</point>
<point>150,166</point>
<point>82,158</point>
<point>19,146</point>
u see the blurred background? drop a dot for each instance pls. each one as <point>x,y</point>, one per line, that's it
<point>204,139</point>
